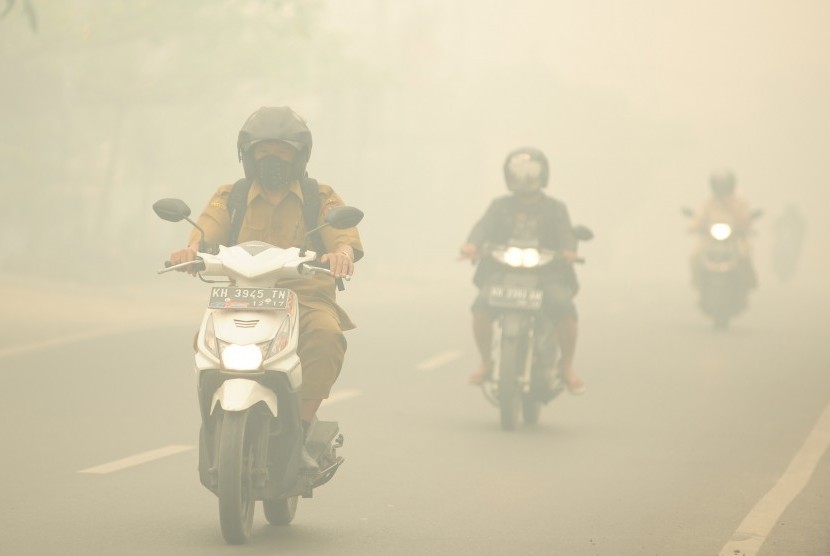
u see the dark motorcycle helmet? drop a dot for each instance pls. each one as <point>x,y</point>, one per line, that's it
<point>278,123</point>
<point>722,182</point>
<point>526,170</point>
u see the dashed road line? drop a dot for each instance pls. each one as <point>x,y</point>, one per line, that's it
<point>60,341</point>
<point>84,336</point>
<point>137,459</point>
<point>439,360</point>
<point>756,526</point>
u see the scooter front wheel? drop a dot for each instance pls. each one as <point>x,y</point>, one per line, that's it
<point>235,463</point>
<point>280,511</point>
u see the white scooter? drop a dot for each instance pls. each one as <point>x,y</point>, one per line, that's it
<point>249,377</point>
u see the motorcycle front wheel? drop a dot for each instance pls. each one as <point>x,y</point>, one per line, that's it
<point>531,409</point>
<point>280,511</point>
<point>510,395</point>
<point>235,489</point>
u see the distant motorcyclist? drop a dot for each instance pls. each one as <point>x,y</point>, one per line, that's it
<point>528,214</point>
<point>724,206</point>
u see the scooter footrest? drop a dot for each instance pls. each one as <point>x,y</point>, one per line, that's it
<point>327,473</point>
<point>321,437</point>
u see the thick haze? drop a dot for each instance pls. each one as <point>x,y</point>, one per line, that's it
<point>108,105</point>
<point>413,105</point>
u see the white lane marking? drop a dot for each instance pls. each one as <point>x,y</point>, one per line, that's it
<point>60,341</point>
<point>754,529</point>
<point>340,396</point>
<point>84,336</point>
<point>153,455</point>
<point>443,358</point>
<point>137,459</point>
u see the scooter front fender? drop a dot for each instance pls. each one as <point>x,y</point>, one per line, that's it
<point>239,394</point>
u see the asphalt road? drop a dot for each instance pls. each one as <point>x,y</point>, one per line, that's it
<point>682,432</point>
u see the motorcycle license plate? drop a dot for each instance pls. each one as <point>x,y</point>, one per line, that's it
<point>232,297</point>
<point>511,297</point>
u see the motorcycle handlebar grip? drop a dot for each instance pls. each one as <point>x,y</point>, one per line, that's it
<point>168,264</point>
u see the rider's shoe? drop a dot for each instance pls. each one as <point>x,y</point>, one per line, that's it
<point>308,465</point>
<point>575,385</point>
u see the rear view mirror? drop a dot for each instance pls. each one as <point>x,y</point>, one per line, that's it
<point>687,212</point>
<point>755,214</point>
<point>583,233</point>
<point>172,210</point>
<point>343,217</point>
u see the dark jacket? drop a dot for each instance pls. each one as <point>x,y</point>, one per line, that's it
<point>554,230</point>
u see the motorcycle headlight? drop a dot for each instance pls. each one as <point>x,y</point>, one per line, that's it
<point>720,231</point>
<point>530,258</point>
<point>242,358</point>
<point>513,256</point>
<point>516,257</point>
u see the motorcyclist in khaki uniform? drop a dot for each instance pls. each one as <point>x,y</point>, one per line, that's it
<point>274,146</point>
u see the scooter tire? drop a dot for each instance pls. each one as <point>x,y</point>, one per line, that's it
<point>236,500</point>
<point>280,511</point>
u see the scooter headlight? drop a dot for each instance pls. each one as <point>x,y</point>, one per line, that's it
<point>720,231</point>
<point>242,358</point>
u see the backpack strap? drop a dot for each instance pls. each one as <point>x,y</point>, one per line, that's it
<point>237,205</point>
<point>311,212</point>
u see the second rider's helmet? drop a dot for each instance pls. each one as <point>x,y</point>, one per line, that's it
<point>526,170</point>
<point>274,124</point>
<point>722,182</point>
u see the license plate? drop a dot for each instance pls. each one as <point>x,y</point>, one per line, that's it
<point>232,297</point>
<point>512,297</point>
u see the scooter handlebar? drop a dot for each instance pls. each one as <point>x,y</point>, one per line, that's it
<point>169,266</point>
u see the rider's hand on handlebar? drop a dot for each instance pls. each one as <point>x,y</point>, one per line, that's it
<point>184,256</point>
<point>469,252</point>
<point>340,262</point>
<point>571,257</point>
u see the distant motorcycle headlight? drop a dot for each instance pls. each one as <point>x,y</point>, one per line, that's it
<point>514,256</point>
<point>530,258</point>
<point>242,358</point>
<point>720,231</point>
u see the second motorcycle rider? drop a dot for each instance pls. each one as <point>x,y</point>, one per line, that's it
<point>528,214</point>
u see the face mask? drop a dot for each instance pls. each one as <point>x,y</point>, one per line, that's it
<point>273,172</point>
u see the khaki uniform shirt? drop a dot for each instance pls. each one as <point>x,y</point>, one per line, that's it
<point>282,225</point>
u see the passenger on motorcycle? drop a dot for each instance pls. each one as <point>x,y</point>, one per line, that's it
<point>528,214</point>
<point>724,207</point>
<point>274,146</point>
